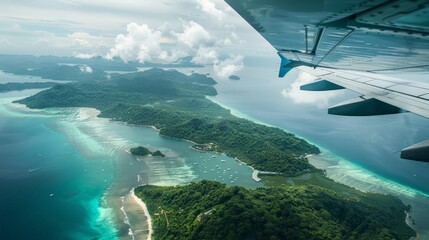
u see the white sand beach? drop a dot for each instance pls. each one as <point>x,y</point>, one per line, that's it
<point>146,213</point>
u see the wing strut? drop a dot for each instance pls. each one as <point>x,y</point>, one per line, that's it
<point>335,46</point>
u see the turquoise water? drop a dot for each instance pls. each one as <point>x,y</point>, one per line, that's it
<point>353,174</point>
<point>49,190</point>
<point>362,152</point>
<point>66,174</point>
<point>8,77</point>
<point>350,155</point>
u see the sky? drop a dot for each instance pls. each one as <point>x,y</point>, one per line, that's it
<point>207,31</point>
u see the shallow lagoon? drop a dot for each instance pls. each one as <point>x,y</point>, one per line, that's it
<point>73,166</point>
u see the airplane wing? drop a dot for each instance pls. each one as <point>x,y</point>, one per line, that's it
<point>344,43</point>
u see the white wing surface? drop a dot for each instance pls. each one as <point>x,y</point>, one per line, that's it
<point>344,43</point>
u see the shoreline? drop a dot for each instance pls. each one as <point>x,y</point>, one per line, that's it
<point>328,164</point>
<point>89,112</point>
<point>146,213</point>
<point>85,113</point>
<point>323,150</point>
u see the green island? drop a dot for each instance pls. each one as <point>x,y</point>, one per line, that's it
<point>299,202</point>
<point>69,68</point>
<point>142,151</point>
<point>176,104</point>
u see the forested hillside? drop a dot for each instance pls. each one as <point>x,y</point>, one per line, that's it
<point>210,210</point>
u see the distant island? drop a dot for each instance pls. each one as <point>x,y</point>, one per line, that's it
<point>142,151</point>
<point>6,87</point>
<point>75,69</point>
<point>299,202</point>
<point>234,77</point>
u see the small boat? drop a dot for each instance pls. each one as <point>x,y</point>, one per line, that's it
<point>51,195</point>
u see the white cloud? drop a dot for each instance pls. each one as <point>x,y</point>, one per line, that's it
<point>229,66</point>
<point>141,43</point>
<point>209,7</point>
<point>173,56</point>
<point>84,55</point>
<point>321,99</point>
<point>193,35</point>
<point>84,39</point>
<point>61,21</point>
<point>227,42</point>
<point>205,55</point>
<point>163,45</point>
<point>85,69</point>
<point>81,42</point>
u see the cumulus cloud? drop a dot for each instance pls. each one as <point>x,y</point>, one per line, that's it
<point>193,35</point>
<point>209,7</point>
<point>84,55</point>
<point>140,43</point>
<point>163,45</point>
<point>84,39</point>
<point>205,55</point>
<point>229,66</point>
<point>85,69</point>
<point>321,99</point>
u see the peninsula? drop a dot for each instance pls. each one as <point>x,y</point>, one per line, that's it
<point>176,104</point>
